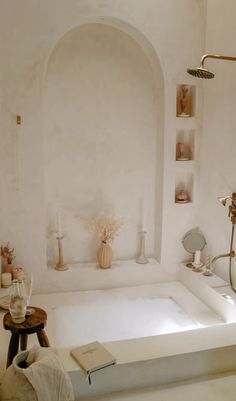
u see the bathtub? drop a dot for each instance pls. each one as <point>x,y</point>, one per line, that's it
<point>176,328</point>
<point>131,312</point>
<point>159,332</point>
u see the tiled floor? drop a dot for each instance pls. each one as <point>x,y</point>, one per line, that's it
<point>218,388</point>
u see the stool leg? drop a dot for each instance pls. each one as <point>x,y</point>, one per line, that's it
<point>13,348</point>
<point>42,337</point>
<point>23,342</point>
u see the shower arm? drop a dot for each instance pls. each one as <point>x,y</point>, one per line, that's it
<point>229,58</point>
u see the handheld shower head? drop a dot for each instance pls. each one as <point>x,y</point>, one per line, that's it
<point>232,206</point>
<point>223,199</point>
<point>201,72</point>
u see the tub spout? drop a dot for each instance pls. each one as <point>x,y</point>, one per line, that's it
<point>223,255</point>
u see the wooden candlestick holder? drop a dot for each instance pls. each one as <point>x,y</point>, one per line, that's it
<point>60,265</point>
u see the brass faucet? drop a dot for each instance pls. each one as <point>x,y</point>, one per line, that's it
<point>232,216</point>
<point>223,255</point>
<point>232,207</point>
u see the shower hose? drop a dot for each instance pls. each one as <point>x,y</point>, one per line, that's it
<point>231,257</point>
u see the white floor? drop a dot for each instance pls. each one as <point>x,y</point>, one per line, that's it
<point>218,388</point>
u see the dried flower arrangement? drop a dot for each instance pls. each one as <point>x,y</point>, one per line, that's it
<point>105,226</point>
<point>7,253</point>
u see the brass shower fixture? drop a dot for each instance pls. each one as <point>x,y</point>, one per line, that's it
<point>232,207</point>
<point>231,253</point>
<point>223,199</point>
<point>201,72</point>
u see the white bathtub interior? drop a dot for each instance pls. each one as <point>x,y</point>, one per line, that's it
<point>131,312</point>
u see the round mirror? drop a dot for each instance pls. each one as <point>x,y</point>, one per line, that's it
<point>193,241</point>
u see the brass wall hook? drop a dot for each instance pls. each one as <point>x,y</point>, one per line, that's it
<point>18,119</point>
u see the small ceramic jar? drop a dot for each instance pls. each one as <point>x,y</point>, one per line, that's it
<point>18,273</point>
<point>182,196</point>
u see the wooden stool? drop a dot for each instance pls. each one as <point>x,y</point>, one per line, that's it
<point>34,323</point>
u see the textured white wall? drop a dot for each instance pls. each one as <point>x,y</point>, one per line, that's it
<point>29,30</point>
<point>101,139</point>
<point>218,144</point>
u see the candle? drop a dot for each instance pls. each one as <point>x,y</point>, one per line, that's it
<point>59,229</point>
<point>6,280</point>
<point>197,258</point>
<point>142,214</point>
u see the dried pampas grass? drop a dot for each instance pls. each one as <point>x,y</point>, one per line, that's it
<point>105,226</point>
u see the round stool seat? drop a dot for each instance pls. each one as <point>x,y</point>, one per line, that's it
<point>33,323</point>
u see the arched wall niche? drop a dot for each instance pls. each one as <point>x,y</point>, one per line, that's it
<point>153,54</point>
<point>103,118</point>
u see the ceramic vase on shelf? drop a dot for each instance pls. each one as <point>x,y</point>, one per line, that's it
<point>8,268</point>
<point>182,197</point>
<point>104,255</point>
<point>181,150</point>
<point>184,101</point>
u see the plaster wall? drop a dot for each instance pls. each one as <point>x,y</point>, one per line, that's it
<point>29,31</point>
<point>103,140</point>
<point>218,143</point>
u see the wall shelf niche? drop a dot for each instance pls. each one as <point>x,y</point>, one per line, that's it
<point>184,187</point>
<point>185,101</point>
<point>186,126</point>
<point>185,145</point>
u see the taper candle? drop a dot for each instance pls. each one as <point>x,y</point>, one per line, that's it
<point>197,258</point>
<point>59,227</point>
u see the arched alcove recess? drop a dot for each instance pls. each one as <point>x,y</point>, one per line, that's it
<point>103,113</point>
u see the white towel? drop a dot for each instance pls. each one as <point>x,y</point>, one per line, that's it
<point>45,378</point>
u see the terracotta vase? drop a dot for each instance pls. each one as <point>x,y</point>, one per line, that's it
<point>8,268</point>
<point>104,256</point>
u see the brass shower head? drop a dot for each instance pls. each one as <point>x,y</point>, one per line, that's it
<point>201,72</point>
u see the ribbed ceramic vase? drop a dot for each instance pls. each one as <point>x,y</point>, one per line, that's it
<point>8,268</point>
<point>104,256</point>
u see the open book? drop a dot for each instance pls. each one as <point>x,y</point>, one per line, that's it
<point>92,357</point>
